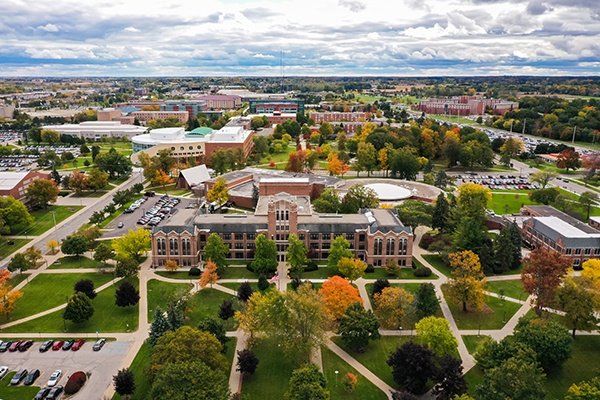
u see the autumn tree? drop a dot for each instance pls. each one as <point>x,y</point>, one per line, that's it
<point>351,268</point>
<point>579,304</point>
<point>218,193</point>
<point>209,275</point>
<point>52,245</point>
<point>97,179</point>
<point>568,159</point>
<point>542,274</point>
<point>511,148</point>
<point>591,271</point>
<point>585,390</point>
<point>41,192</point>
<point>335,166</point>
<point>467,283</point>
<point>171,265</point>
<point>435,333</point>
<point>8,297</point>
<point>78,181</point>
<point>296,255</point>
<point>133,244</point>
<point>161,178</point>
<point>338,294</point>
<point>392,306</point>
<point>216,251</point>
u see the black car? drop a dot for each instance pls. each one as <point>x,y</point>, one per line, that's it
<point>18,377</point>
<point>54,393</point>
<point>41,395</point>
<point>25,345</point>
<point>68,344</point>
<point>4,346</point>
<point>33,375</point>
<point>45,346</point>
<point>150,194</point>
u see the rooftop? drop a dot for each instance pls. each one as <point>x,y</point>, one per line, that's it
<point>565,229</point>
<point>8,180</point>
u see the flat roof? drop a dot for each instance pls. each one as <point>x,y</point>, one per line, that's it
<point>564,228</point>
<point>8,180</point>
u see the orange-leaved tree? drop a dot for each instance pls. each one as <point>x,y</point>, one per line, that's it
<point>338,294</point>
<point>392,306</point>
<point>171,265</point>
<point>8,297</point>
<point>543,272</point>
<point>209,275</point>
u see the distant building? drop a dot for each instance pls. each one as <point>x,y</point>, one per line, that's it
<point>145,116</point>
<point>276,117</point>
<point>466,105</point>
<point>6,111</point>
<point>261,106</point>
<point>96,130</point>
<point>220,101</point>
<point>192,177</point>
<point>320,117</point>
<point>15,183</point>
<point>193,107</point>
<point>109,114</point>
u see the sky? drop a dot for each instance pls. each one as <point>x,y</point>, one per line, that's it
<point>312,37</point>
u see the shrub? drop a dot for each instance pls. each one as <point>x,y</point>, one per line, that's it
<point>311,266</point>
<point>422,271</point>
<point>350,382</point>
<point>75,382</point>
<point>194,271</point>
<point>370,269</point>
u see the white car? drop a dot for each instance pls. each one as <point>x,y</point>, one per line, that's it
<point>3,371</point>
<point>54,378</point>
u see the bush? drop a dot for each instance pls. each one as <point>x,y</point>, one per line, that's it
<point>75,382</point>
<point>370,269</point>
<point>422,271</point>
<point>194,271</point>
<point>311,266</point>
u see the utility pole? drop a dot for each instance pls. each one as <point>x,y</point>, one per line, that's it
<point>574,130</point>
<point>524,123</point>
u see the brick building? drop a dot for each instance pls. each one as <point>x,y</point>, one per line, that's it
<point>15,183</point>
<point>220,101</point>
<point>466,105</point>
<point>193,107</point>
<point>262,106</point>
<point>145,116</point>
<point>320,117</point>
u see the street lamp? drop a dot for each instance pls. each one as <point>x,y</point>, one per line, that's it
<point>336,376</point>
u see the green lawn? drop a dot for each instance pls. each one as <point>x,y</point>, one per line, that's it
<point>183,275</point>
<point>325,272</point>
<point>108,317</point>
<point>365,390</point>
<point>50,290</point>
<point>69,262</point>
<point>160,293</point>
<point>508,203</point>
<point>206,303</point>
<point>437,262</point>
<point>20,392</point>
<point>43,219</point>
<point>232,272</point>
<point>272,375</point>
<point>235,286</point>
<point>495,314</point>
<point>98,193</point>
<point>472,342</point>
<point>7,249</point>
<point>230,351</point>
<point>278,157</point>
<point>512,288</point>
<point>138,367</point>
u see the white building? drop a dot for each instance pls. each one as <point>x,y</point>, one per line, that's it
<point>96,130</point>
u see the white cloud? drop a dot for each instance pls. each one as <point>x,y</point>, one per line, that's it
<point>131,29</point>
<point>48,28</point>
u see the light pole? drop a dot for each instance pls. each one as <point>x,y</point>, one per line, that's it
<point>336,376</point>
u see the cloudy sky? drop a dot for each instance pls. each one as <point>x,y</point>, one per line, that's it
<point>316,37</point>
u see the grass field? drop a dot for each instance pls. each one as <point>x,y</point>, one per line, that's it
<point>206,303</point>
<point>379,273</point>
<point>160,293</point>
<point>183,275</point>
<point>141,378</point>
<point>7,249</point>
<point>365,390</point>
<point>512,288</point>
<point>508,203</point>
<point>472,342</point>
<point>20,392</point>
<point>437,262</point>
<point>43,219</point>
<point>46,291</point>
<point>232,272</point>
<point>87,193</point>
<point>70,262</point>
<point>108,317</point>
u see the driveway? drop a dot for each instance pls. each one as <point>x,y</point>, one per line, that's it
<point>101,365</point>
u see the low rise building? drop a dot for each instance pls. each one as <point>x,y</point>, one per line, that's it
<point>145,116</point>
<point>220,101</point>
<point>320,117</point>
<point>261,106</point>
<point>15,184</point>
<point>193,107</point>
<point>466,105</point>
<point>96,130</point>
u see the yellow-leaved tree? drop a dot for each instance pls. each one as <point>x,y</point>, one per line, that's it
<point>468,281</point>
<point>392,306</point>
<point>218,192</point>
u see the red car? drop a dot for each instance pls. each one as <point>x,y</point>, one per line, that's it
<point>77,345</point>
<point>15,345</point>
<point>58,345</point>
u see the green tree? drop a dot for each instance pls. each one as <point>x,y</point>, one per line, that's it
<point>296,255</point>
<point>351,268</point>
<point>265,255</point>
<point>50,136</point>
<point>307,382</point>
<point>189,380</point>
<point>587,201</point>
<point>79,308</point>
<point>14,217</point>
<point>404,164</point>
<point>514,379</point>
<point>426,302</point>
<point>214,327</point>
<point>549,339</point>
<point>504,252</point>
<point>579,304</point>
<point>415,213</point>
<point>133,244</point>
<point>160,325</point>
<point>218,193</point>
<point>75,245</point>
<point>357,327</point>
<point>586,390</point>
<point>441,179</point>
<point>103,252</point>
<point>441,213</point>
<point>544,196</point>
<point>359,197</point>
<point>542,178</point>
<point>366,158</point>
<point>435,333</point>
<point>41,192</point>
<point>126,267</point>
<point>328,202</point>
<point>19,263</point>
<point>340,248</point>
<point>113,163</point>
<point>97,179</point>
<point>216,251</point>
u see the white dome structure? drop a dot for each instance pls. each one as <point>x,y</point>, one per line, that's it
<point>390,192</point>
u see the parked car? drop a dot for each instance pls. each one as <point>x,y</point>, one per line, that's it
<point>3,371</point>
<point>58,344</point>
<point>77,344</point>
<point>54,393</point>
<point>14,346</point>
<point>4,346</point>
<point>120,225</point>
<point>25,345</point>
<point>41,395</point>
<point>31,377</point>
<point>150,194</point>
<point>54,378</point>
<point>45,346</point>
<point>99,344</point>
<point>68,344</point>
<point>18,377</point>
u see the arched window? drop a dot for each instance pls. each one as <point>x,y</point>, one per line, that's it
<point>378,246</point>
<point>389,247</point>
<point>403,246</point>
<point>186,248</point>
<point>173,247</point>
<point>161,246</point>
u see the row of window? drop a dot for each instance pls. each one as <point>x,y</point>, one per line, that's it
<point>390,247</point>
<point>189,148</point>
<point>161,247</point>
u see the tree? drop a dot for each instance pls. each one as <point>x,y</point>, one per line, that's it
<point>357,198</point>
<point>209,275</point>
<point>75,245</point>
<point>97,179</point>
<point>441,213</point>
<point>404,396</point>
<point>587,200</point>
<point>328,201</point>
<point>340,248</point>
<point>307,382</point>
<point>214,327</point>
<point>426,302</point>
<point>435,333</point>
<point>161,178</point>
<point>568,159</point>
<point>174,382</point>
<point>412,366</point>
<point>544,196</point>
<point>103,252</point>
<point>126,267</point>
<point>50,136</point>
<point>404,164</point>
<point>265,255</point>
<point>514,379</point>
<point>246,362</point>
<point>379,285</point>
<point>9,297</point>
<point>441,180</point>
<point>41,192</point>
<point>504,252</point>
<point>14,217</point>
<point>133,244</point>
<point>511,148</point>
<point>52,245</point>
<point>216,250</point>
<point>542,178</point>
<point>542,274</point>
<point>449,378</point>
<point>226,310</point>
<point>335,166</point>
<point>126,295</point>
<point>160,325</point>
<point>515,236</point>
<point>124,382</point>
<point>218,193</point>
<point>351,268</point>
<point>415,213</point>
<point>79,308</point>
<point>112,162</point>
<point>549,339</point>
<point>392,306</point>
<point>366,158</point>
<point>357,327</point>
<point>171,265</point>
<point>244,291</point>
<point>86,287</point>
<point>19,263</point>
<point>586,390</point>
<point>338,294</point>
<point>591,272</point>
<point>467,283</point>
<point>579,305</point>
<point>472,201</point>
<point>296,255</point>
<point>78,181</point>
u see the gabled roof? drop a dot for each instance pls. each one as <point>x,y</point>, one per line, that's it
<point>196,175</point>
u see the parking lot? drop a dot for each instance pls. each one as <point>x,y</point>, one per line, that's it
<point>496,181</point>
<point>100,365</point>
<point>130,220</point>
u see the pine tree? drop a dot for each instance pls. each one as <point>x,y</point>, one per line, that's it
<point>244,292</point>
<point>126,295</point>
<point>440,213</point>
<point>226,310</point>
<point>426,302</point>
<point>503,252</point>
<point>515,236</point>
<point>174,315</point>
<point>159,326</point>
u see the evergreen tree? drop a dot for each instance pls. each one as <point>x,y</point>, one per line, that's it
<point>515,236</point>
<point>159,326</point>
<point>244,291</point>
<point>79,308</point>
<point>215,327</point>
<point>440,213</point>
<point>426,302</point>
<point>486,256</point>
<point>175,314</point>
<point>263,283</point>
<point>226,310</point>
<point>126,295</point>
<point>503,252</point>
<point>441,180</point>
